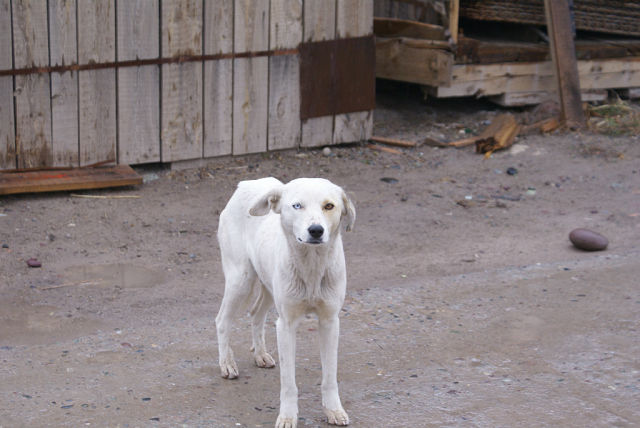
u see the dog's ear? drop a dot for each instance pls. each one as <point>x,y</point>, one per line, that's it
<point>348,212</point>
<point>266,202</point>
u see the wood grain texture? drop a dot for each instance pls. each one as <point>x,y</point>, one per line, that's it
<point>251,26</point>
<point>32,92</point>
<point>285,24</point>
<point>182,85</point>
<point>284,102</point>
<point>354,18</point>
<point>7,125</point>
<point>319,24</point>
<point>138,88</point>
<point>218,79</point>
<point>97,88</point>
<point>64,86</point>
<point>250,103</point>
<point>218,107</point>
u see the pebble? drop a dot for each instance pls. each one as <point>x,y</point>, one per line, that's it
<point>326,151</point>
<point>389,180</point>
<point>512,171</point>
<point>5,245</point>
<point>588,240</point>
<point>34,263</point>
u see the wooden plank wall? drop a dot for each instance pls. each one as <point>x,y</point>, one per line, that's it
<point>232,104</point>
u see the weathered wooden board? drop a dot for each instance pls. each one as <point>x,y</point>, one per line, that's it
<point>64,86</point>
<point>251,77</point>
<point>354,18</point>
<point>72,179</point>
<point>284,129</point>
<point>218,78</point>
<point>495,79</point>
<point>514,99</point>
<point>97,88</point>
<point>284,102</point>
<point>182,88</point>
<point>412,60</point>
<point>318,25</point>
<point>7,126</point>
<point>138,87</point>
<point>32,92</point>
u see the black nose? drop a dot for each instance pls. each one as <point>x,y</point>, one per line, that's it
<point>316,231</point>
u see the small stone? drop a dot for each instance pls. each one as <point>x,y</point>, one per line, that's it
<point>326,151</point>
<point>512,171</point>
<point>389,180</point>
<point>34,263</point>
<point>5,245</point>
<point>588,240</point>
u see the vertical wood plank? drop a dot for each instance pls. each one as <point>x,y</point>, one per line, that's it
<point>284,129</point>
<point>7,125</point>
<point>218,78</point>
<point>182,89</point>
<point>64,86</point>
<point>319,24</point>
<point>138,87</point>
<point>250,83</point>
<point>97,88</point>
<point>32,92</point>
<point>354,18</point>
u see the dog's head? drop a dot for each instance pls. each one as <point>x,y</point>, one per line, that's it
<point>311,209</point>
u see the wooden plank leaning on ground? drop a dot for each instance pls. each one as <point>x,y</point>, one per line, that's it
<point>72,179</point>
<point>138,87</point>
<point>32,92</point>
<point>7,130</point>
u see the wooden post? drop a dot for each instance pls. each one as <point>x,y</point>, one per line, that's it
<point>454,12</point>
<point>7,126</point>
<point>560,29</point>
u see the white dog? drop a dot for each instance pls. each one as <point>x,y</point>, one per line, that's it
<point>283,242</point>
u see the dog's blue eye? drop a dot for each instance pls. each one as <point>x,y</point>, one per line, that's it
<point>297,206</point>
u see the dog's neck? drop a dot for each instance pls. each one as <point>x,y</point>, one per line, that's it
<point>310,268</point>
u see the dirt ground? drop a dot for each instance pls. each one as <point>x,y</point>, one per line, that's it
<point>466,306</point>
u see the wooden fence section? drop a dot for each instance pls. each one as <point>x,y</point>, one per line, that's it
<point>142,81</point>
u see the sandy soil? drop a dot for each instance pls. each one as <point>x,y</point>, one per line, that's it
<point>467,305</point>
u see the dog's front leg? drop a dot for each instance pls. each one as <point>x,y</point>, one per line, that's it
<point>329,333</point>
<point>286,332</point>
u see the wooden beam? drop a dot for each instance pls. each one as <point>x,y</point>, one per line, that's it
<point>454,12</point>
<point>560,28</point>
<point>413,60</point>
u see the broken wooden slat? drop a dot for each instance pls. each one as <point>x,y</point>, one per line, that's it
<point>138,87</point>
<point>512,99</point>
<point>392,27</point>
<point>499,135</point>
<point>393,141</point>
<point>74,179</point>
<point>7,128</point>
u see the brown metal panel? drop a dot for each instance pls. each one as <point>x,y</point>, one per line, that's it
<point>337,76</point>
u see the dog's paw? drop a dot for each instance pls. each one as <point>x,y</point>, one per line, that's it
<point>286,422</point>
<point>264,360</point>
<point>337,417</point>
<point>229,369</point>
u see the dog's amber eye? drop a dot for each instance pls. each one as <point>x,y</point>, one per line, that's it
<point>296,206</point>
<point>329,206</point>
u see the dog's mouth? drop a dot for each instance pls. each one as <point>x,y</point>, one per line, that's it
<point>311,241</point>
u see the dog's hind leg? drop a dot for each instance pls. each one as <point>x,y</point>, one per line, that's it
<point>259,314</point>
<point>237,289</point>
